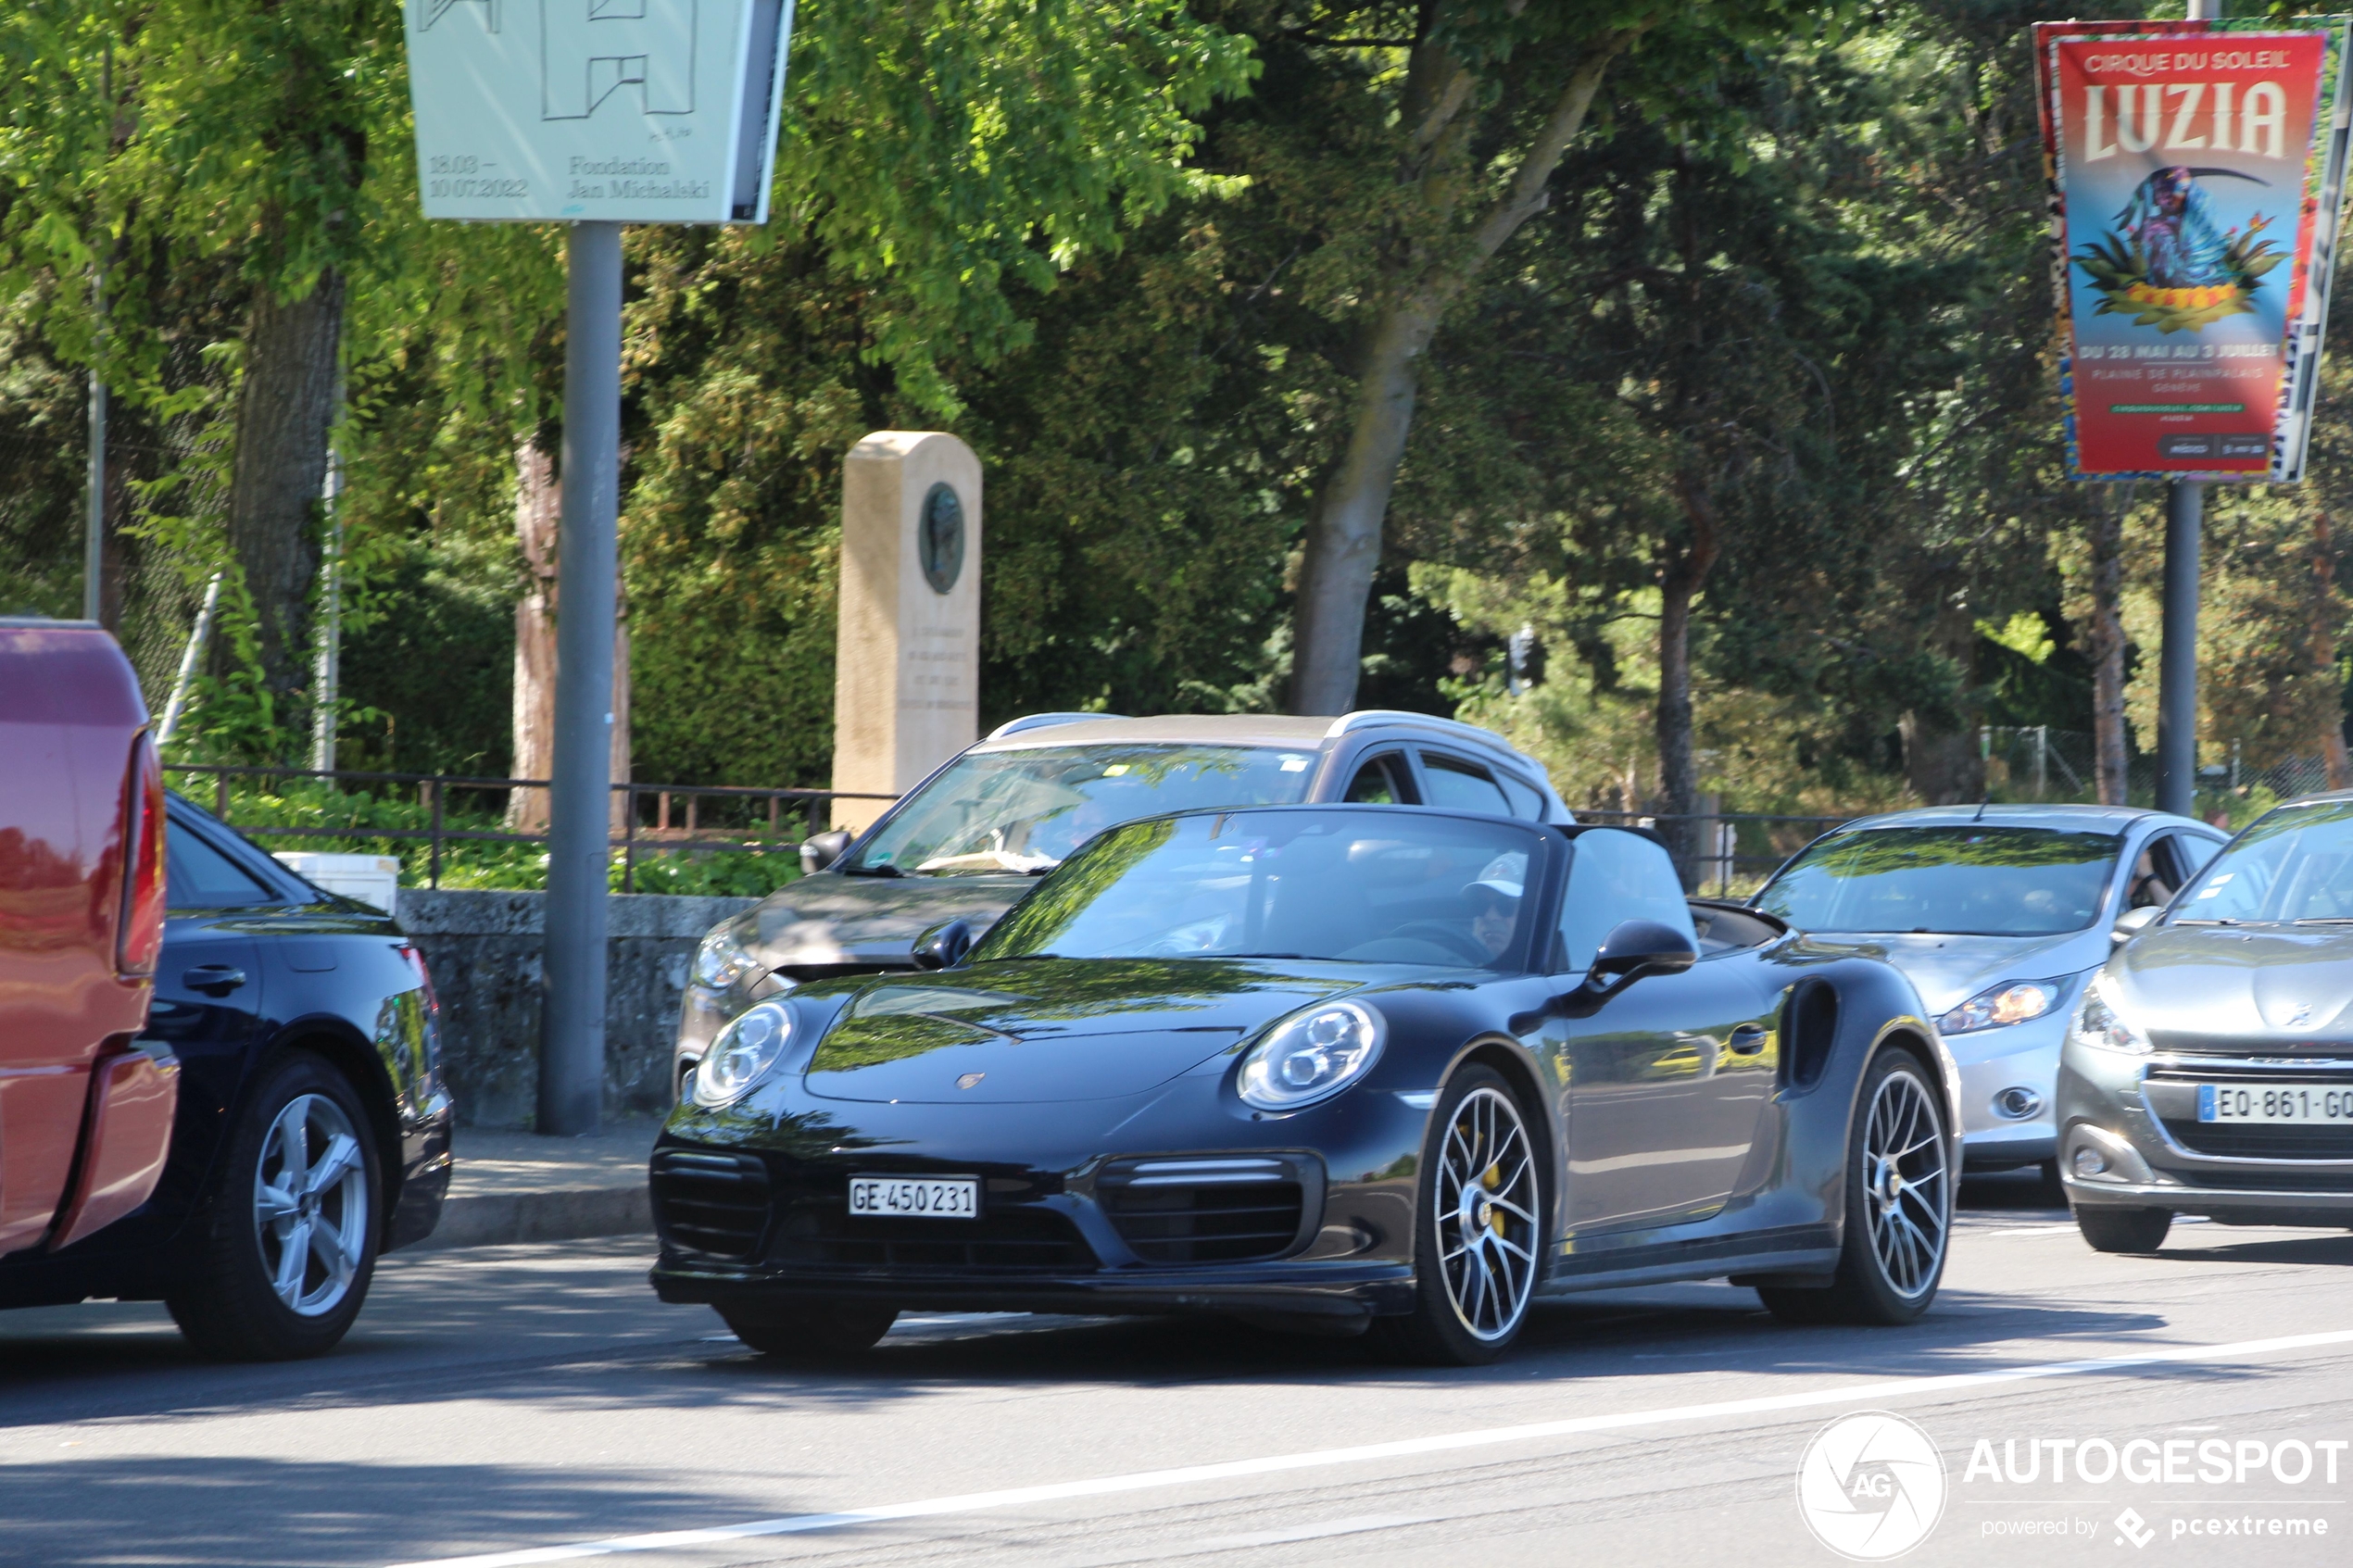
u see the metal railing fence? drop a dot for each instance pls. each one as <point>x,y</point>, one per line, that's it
<point>655,817</point>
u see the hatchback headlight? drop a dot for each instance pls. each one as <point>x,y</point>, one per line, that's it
<point>721,962</point>
<point>2102,1024</point>
<point>747,1047</point>
<point>2013,1001</point>
<point>1311,1056</point>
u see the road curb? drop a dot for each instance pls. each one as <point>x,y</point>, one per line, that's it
<point>497,1219</point>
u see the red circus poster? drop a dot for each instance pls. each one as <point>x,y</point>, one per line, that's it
<point>2196,176</point>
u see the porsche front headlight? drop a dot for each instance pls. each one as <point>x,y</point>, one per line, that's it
<point>747,1048</point>
<point>1310,1055</point>
<point>2103,1024</point>
<point>2013,1001</point>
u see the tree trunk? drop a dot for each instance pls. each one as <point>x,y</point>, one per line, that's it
<point>2109,758</point>
<point>1342,546</point>
<point>1946,766</point>
<point>285,407</point>
<point>1344,531</point>
<point>1679,583</point>
<point>2327,614</point>
<point>538,515</point>
<point>538,529</point>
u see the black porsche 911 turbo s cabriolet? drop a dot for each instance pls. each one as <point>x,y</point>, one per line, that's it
<point>1331,1067</point>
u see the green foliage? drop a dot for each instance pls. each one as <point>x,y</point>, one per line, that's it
<point>347,821</point>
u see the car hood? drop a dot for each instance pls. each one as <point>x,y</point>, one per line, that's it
<point>2264,990</point>
<point>1947,970</point>
<point>829,922</point>
<point>1053,1029</point>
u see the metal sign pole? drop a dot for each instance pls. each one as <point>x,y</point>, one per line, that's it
<point>592,117</point>
<point>93,538</point>
<point>2177,655</point>
<point>2177,650</point>
<point>571,1041</point>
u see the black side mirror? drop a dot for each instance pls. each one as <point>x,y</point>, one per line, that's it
<point>821,849</point>
<point>2131,922</point>
<point>944,946</point>
<point>1636,948</point>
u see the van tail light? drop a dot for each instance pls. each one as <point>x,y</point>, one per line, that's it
<point>139,933</point>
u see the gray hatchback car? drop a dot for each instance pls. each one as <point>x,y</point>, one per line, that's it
<point>1997,914</point>
<point>967,842</point>
<point>2209,1066</point>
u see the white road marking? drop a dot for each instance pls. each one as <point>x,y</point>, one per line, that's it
<point>2029,1230</point>
<point>1318,1532</point>
<point>2206,1356</point>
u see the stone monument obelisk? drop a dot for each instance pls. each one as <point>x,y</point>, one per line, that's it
<point>906,676</point>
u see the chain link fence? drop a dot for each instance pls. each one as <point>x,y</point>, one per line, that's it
<point>2036,762</point>
<point>166,498</point>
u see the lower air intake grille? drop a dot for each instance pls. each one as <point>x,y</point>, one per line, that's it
<point>2274,1180</point>
<point>2258,1142</point>
<point>709,1202</point>
<point>1205,1210</point>
<point>817,1229</point>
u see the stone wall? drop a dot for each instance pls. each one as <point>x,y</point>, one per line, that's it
<point>485,951</point>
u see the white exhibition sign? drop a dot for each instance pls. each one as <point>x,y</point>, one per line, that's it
<point>621,111</point>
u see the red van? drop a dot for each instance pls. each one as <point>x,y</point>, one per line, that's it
<point>85,1106</point>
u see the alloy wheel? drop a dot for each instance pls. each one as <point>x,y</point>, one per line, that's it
<point>310,1204</point>
<point>1905,1199</point>
<point>1486,1214</point>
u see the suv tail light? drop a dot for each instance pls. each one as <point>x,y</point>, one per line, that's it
<point>139,933</point>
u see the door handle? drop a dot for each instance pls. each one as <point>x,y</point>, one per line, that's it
<point>217,978</point>
<point>1747,1040</point>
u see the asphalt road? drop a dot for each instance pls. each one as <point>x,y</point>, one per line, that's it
<point>499,1402</point>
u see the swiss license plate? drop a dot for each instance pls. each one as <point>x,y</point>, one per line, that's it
<point>2282,1104</point>
<point>915,1198</point>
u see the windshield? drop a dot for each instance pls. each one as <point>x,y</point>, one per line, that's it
<point>1369,885</point>
<point>2294,864</point>
<point>1961,881</point>
<point>1024,810</point>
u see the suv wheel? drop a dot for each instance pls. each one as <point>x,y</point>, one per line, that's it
<point>284,1255</point>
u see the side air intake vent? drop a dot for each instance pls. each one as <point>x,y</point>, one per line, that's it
<point>709,1202</point>
<point>1205,1210</point>
<point>1809,1023</point>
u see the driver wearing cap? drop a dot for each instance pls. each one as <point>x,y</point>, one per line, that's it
<point>1495,899</point>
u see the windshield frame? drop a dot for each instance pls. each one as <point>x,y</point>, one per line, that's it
<point>2178,912</point>
<point>2121,837</point>
<point>1548,851</point>
<point>853,860</point>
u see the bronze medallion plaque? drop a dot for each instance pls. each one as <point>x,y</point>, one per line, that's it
<point>940,537</point>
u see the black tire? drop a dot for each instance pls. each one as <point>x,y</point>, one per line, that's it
<point>2124,1230</point>
<point>1898,1221</point>
<point>230,1302</point>
<point>1470,1304</point>
<point>813,1330</point>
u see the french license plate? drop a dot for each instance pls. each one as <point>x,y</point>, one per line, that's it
<point>915,1198</point>
<point>2287,1104</point>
